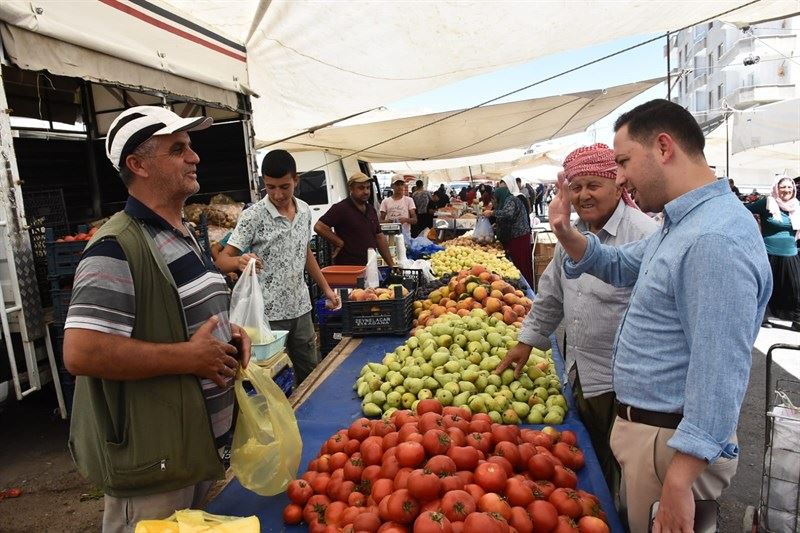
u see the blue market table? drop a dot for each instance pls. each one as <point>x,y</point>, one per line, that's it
<point>331,404</point>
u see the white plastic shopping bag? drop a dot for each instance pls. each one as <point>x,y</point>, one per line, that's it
<point>247,306</point>
<point>483,232</point>
<point>372,277</point>
<point>782,468</point>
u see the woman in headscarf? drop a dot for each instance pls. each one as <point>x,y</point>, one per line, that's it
<point>486,195</point>
<point>512,227</point>
<point>779,214</point>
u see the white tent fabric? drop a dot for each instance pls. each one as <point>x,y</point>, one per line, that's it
<point>316,62</point>
<point>478,131</point>
<point>754,167</point>
<point>766,125</point>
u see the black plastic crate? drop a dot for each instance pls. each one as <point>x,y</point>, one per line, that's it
<point>44,209</point>
<point>285,380</point>
<point>325,315</point>
<point>411,278</point>
<point>62,257</point>
<point>61,297</point>
<point>329,336</point>
<point>378,317</point>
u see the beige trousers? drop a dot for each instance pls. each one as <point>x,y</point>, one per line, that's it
<point>644,456</point>
<point>122,514</point>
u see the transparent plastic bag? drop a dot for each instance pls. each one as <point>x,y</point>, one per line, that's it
<point>194,521</point>
<point>247,306</point>
<point>266,448</point>
<point>372,278</point>
<point>483,232</point>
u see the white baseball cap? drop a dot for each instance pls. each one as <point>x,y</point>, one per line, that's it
<point>137,124</point>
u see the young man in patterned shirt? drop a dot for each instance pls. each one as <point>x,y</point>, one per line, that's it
<point>277,230</point>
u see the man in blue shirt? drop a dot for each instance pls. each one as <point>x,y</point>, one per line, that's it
<point>683,350</point>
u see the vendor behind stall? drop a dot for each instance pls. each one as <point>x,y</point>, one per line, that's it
<point>399,207</point>
<point>351,226</point>
<point>513,227</point>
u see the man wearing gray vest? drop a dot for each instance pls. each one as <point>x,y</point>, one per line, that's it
<point>148,336</point>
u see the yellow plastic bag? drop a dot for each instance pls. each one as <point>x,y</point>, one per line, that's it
<point>194,521</point>
<point>266,448</point>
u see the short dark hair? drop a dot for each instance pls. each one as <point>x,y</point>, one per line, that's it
<point>277,164</point>
<point>662,116</point>
<point>419,183</point>
<point>146,149</point>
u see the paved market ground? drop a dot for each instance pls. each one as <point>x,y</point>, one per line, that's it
<point>33,456</point>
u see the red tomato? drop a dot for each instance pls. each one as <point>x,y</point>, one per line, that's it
<point>521,520</point>
<point>392,527</point>
<point>299,491</point>
<point>501,432</point>
<point>424,485</point>
<point>566,525</point>
<point>466,476</point>
<point>432,505</point>
<point>571,456</point>
<point>455,421</point>
<point>320,483</point>
<point>441,465</point>
<point>502,461</point>
<point>457,437</point>
<point>382,428</point>
<point>381,488</point>
<point>464,457</point>
<point>435,442</point>
<point>482,416</point>
<point>333,514</point>
<point>403,417</point>
<point>592,524</point>
<point>565,477</point>
<point>410,454</point>
<point>323,463</point>
<point>544,515</point>
<point>566,502</point>
<point>390,467</point>
<point>352,447</point>
<point>491,477</point>
<point>390,440</point>
<point>543,489</point>
<point>457,505</point>
<point>432,522</point>
<point>371,452</point>
<point>429,406</point>
<point>354,468</point>
<point>478,425</point>
<point>484,523</point>
<point>338,460</point>
<point>537,438</point>
<point>292,514</point>
<point>526,451</point>
<point>493,503</point>
<point>406,430</point>
<point>541,467</point>
<point>350,514</point>
<point>430,421</point>
<point>369,522</point>
<point>402,507</point>
<point>332,490</point>
<point>360,429</point>
<point>569,437</point>
<point>480,441</point>
<point>371,473</point>
<point>457,411</point>
<point>452,483</point>
<point>401,479</point>
<point>346,488</point>
<point>356,499</point>
<point>474,490</point>
<point>309,476</point>
<point>315,507</point>
<point>509,451</point>
<point>517,493</point>
<point>337,442</point>
<point>458,527</point>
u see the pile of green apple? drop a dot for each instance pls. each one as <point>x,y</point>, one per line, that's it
<point>453,360</point>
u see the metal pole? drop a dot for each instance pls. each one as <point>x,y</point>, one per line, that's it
<point>669,68</point>
<point>727,150</point>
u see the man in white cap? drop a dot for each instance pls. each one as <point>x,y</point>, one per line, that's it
<point>148,335</point>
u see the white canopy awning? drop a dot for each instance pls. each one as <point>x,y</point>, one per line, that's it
<point>316,62</point>
<point>478,131</point>
<point>766,125</point>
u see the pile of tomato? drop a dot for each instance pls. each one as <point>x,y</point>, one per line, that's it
<point>83,236</point>
<point>443,470</point>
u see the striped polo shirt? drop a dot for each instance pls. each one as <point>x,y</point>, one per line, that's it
<point>103,295</point>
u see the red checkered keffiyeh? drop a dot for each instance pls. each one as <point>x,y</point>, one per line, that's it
<point>594,160</point>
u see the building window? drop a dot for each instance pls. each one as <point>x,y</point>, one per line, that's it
<point>720,50</point>
<point>680,58</point>
<point>686,52</point>
<point>710,25</point>
<point>698,66</point>
<point>720,92</point>
<point>710,62</point>
<point>710,100</point>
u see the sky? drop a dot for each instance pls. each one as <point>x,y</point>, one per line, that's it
<point>642,63</point>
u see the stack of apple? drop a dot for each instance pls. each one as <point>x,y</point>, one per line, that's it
<point>371,295</point>
<point>475,288</point>
<point>442,470</point>
<point>453,360</point>
<point>470,243</point>
<point>457,258</point>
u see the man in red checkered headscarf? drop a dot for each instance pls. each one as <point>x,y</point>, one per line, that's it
<point>590,309</point>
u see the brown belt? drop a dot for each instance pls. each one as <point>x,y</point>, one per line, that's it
<point>650,418</point>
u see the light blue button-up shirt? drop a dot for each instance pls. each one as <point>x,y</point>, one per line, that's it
<point>700,287</point>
